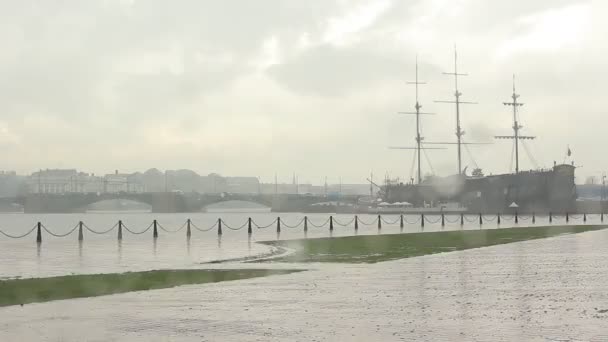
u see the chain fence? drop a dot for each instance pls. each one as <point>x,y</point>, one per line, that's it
<point>305,221</point>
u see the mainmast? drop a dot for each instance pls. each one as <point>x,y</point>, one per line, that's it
<point>516,126</point>
<point>419,137</point>
<point>459,132</point>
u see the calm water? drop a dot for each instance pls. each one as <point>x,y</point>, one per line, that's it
<point>103,253</point>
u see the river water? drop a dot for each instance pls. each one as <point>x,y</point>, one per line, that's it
<point>136,252</point>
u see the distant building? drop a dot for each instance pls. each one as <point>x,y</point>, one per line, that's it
<point>122,182</point>
<point>59,181</point>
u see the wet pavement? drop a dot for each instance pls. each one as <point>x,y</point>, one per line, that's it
<point>553,289</point>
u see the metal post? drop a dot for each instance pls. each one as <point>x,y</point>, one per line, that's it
<point>533,217</point>
<point>516,218</point>
<point>422,221</point>
<point>461,219</point>
<point>119,230</point>
<point>219,226</point>
<point>331,223</point>
<point>39,233</point>
<point>401,222</point>
<point>498,218</point>
<point>567,217</point>
<point>155,232</point>
<point>602,216</point>
<point>379,222</point>
<point>480,219</point>
<point>249,228</point>
<point>188,228</point>
<point>305,224</point>
<point>278,224</point>
<point>80,234</point>
<point>356,223</point>
<point>442,219</point>
<point>550,217</point>
<point>584,217</point>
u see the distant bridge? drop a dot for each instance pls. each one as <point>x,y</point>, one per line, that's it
<point>167,202</point>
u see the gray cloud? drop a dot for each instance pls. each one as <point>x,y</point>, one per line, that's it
<point>244,87</point>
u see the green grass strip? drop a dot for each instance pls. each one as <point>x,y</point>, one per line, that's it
<point>23,291</point>
<point>376,248</point>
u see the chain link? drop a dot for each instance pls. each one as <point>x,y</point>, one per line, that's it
<point>390,223</point>
<point>99,233</point>
<point>293,227</point>
<point>431,222</point>
<point>232,228</point>
<point>264,227</point>
<point>368,224</point>
<point>137,233</point>
<point>321,226</point>
<point>171,231</point>
<point>344,224</point>
<point>418,218</point>
<point>59,235</point>
<point>203,230</point>
<point>19,236</point>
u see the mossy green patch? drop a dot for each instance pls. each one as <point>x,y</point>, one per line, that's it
<point>23,291</point>
<point>376,248</point>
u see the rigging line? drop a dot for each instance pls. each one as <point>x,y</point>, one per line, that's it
<point>529,153</point>
<point>512,153</point>
<point>471,156</point>
<point>428,160</point>
<point>412,167</point>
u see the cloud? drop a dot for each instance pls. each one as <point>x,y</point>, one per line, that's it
<point>254,87</point>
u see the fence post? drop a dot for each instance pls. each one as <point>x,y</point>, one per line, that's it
<point>155,233</point>
<point>80,234</point>
<point>401,222</point>
<point>422,221</point>
<point>249,228</point>
<point>379,222</point>
<point>188,228</point>
<point>567,217</point>
<point>219,226</point>
<point>533,217</point>
<point>516,218</point>
<point>602,216</point>
<point>356,222</point>
<point>461,219</point>
<point>331,223</point>
<point>480,219</point>
<point>278,224</point>
<point>498,218</point>
<point>39,233</point>
<point>119,230</point>
<point>305,224</point>
<point>442,220</point>
<point>550,217</point>
<point>584,217</point>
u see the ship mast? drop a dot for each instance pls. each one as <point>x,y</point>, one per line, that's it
<point>516,126</point>
<point>459,132</point>
<point>419,137</point>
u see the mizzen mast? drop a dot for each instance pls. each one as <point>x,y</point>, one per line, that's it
<point>457,94</point>
<point>419,137</point>
<point>516,126</point>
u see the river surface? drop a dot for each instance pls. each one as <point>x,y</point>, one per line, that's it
<point>104,253</point>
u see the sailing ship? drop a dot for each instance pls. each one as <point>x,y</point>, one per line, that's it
<point>541,190</point>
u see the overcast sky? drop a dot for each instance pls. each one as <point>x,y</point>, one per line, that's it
<point>257,87</point>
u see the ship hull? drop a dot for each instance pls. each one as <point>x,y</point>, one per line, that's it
<point>530,192</point>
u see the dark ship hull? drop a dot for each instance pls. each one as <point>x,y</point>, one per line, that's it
<point>541,191</point>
